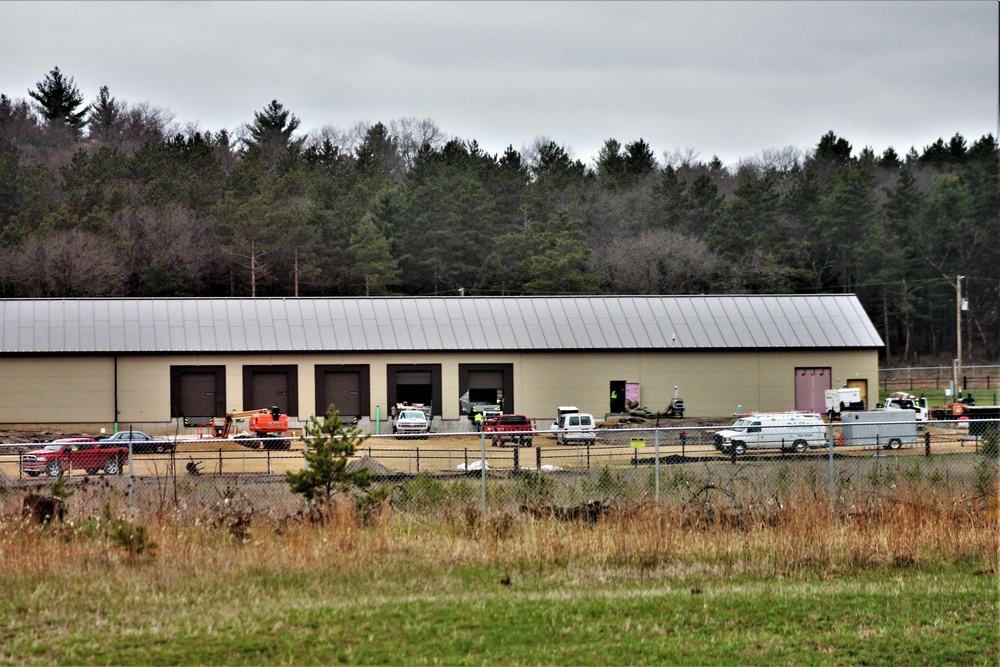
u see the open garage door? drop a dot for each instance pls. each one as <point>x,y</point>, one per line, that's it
<point>345,387</point>
<point>491,384</point>
<point>415,383</point>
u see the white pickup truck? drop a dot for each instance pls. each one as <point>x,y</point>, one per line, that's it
<point>902,401</point>
<point>411,422</point>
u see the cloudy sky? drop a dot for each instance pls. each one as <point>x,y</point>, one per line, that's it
<point>722,78</point>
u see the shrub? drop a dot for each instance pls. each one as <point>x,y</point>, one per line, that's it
<point>132,537</point>
<point>329,445</point>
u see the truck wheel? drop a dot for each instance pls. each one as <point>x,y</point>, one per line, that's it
<point>33,473</point>
<point>112,466</point>
<point>799,446</point>
<point>740,448</point>
<point>527,442</point>
<point>894,443</point>
<point>160,448</point>
<point>53,468</point>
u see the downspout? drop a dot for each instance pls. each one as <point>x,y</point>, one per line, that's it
<point>116,394</point>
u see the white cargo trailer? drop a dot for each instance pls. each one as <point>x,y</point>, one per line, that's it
<point>889,429</point>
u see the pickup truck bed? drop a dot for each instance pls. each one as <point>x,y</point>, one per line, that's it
<point>515,430</point>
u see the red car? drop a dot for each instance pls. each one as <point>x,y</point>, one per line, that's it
<point>69,454</point>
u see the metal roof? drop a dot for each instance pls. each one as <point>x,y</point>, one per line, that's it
<point>434,324</point>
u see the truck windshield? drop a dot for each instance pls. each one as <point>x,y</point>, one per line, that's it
<point>740,426</point>
<point>411,414</point>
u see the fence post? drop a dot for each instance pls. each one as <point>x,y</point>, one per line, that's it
<point>832,477</point>
<point>656,473</point>
<point>588,456</point>
<point>131,479</point>
<point>220,460</point>
<point>927,443</point>
<point>517,459</point>
<point>418,460</point>
<point>538,459</point>
<point>482,468</point>
<point>269,462</point>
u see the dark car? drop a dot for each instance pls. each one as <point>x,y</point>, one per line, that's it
<point>141,443</point>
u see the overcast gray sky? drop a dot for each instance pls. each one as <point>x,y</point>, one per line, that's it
<point>723,78</point>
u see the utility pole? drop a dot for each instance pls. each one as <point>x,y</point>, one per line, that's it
<point>958,336</point>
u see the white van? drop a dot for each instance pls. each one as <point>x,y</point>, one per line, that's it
<point>786,431</point>
<point>576,427</point>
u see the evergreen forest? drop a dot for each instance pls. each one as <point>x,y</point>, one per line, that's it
<point>102,197</point>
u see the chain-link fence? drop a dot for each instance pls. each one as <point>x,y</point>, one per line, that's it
<point>212,478</point>
<point>924,378</point>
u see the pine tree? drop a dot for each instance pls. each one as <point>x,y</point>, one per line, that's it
<point>59,101</point>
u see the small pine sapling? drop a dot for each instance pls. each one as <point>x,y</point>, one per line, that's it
<point>329,445</point>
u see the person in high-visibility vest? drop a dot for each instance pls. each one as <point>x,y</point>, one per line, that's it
<point>478,421</point>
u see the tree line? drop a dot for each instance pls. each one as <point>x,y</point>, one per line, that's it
<point>108,198</point>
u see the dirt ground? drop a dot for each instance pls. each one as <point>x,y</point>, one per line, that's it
<point>447,452</point>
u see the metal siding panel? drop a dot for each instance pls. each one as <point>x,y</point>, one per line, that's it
<point>816,322</point>
<point>487,320</point>
<point>756,336</point>
<point>11,333</point>
<point>454,309</point>
<point>678,324</point>
<point>609,335</point>
<point>522,340</point>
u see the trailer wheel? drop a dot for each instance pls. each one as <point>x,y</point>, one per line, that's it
<point>739,448</point>
<point>799,446</point>
<point>894,443</point>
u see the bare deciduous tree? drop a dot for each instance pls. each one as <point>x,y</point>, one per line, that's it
<point>661,261</point>
<point>63,264</point>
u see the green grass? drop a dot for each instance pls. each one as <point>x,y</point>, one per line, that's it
<point>462,614</point>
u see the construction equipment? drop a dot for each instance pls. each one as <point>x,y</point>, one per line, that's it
<point>265,428</point>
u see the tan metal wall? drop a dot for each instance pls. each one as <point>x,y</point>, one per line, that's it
<point>78,393</point>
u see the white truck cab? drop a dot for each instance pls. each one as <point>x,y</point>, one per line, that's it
<point>785,431</point>
<point>902,401</point>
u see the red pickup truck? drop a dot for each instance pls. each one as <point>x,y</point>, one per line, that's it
<point>69,454</point>
<point>515,430</point>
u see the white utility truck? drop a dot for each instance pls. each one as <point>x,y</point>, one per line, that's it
<point>841,400</point>
<point>785,431</point>
<point>902,401</point>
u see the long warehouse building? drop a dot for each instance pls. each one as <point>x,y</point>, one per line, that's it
<point>84,364</point>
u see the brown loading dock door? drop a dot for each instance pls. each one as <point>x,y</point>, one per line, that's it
<point>267,386</point>
<point>345,388</point>
<point>197,391</point>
